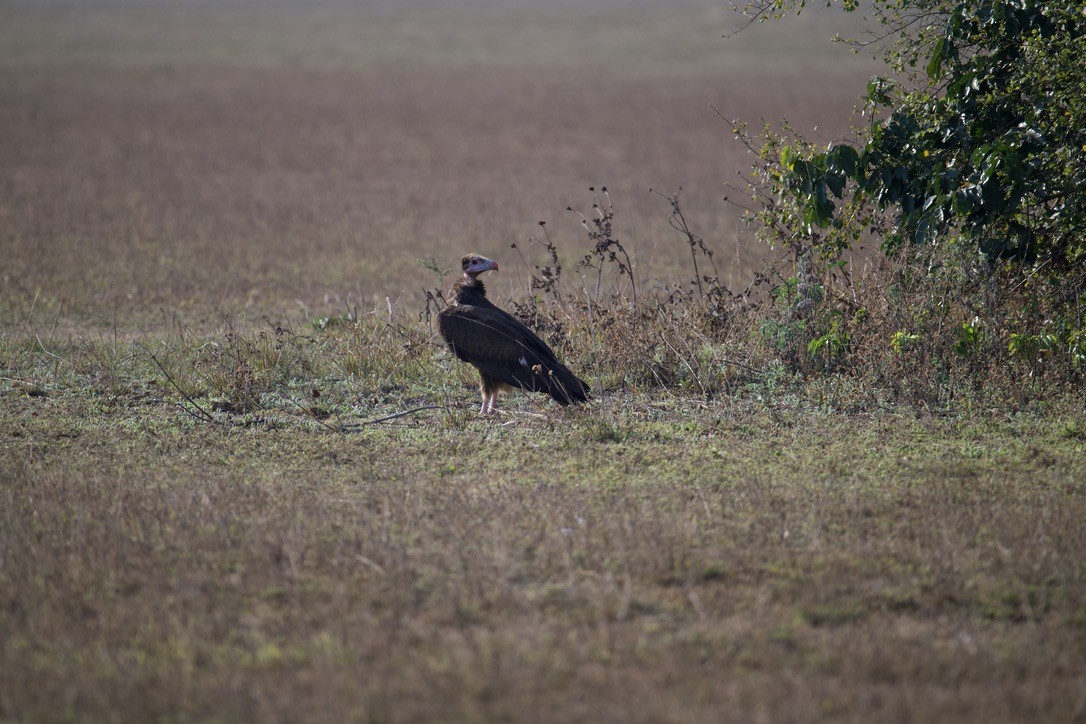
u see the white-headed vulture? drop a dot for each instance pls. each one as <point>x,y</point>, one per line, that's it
<point>506,353</point>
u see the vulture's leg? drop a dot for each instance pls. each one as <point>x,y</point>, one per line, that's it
<point>486,388</point>
<point>490,400</point>
<point>490,388</point>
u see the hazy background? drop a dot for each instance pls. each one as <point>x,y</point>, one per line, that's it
<point>286,157</point>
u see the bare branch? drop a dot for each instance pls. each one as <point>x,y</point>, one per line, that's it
<point>204,415</point>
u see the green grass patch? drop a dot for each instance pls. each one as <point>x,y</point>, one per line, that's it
<point>159,553</point>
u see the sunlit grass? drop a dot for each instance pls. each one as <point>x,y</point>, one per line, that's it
<point>154,561</point>
<point>210,226</point>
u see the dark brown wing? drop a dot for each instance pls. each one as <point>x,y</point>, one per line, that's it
<point>503,348</point>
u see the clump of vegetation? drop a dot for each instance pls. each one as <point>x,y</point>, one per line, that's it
<point>930,335</point>
<point>967,175</point>
<point>638,332</point>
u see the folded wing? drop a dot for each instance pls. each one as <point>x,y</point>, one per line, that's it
<point>504,349</point>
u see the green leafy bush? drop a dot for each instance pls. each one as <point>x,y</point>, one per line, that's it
<point>969,170</point>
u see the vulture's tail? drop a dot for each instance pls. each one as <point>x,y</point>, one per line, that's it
<point>566,387</point>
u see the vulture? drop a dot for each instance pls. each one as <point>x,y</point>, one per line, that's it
<point>506,353</point>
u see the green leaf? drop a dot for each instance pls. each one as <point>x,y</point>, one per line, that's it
<point>836,184</point>
<point>788,157</point>
<point>878,91</point>
<point>991,193</point>
<point>935,65</point>
<point>844,158</point>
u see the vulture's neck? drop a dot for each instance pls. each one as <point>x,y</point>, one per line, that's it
<point>469,290</point>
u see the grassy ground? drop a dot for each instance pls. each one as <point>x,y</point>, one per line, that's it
<point>654,557</point>
<point>195,523</point>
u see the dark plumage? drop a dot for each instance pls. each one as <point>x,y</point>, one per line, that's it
<point>506,353</point>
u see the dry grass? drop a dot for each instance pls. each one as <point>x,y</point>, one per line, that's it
<point>644,560</point>
<point>192,181</point>
<point>194,526</point>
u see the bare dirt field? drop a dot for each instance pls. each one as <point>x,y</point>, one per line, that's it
<point>257,154</point>
<point>211,216</point>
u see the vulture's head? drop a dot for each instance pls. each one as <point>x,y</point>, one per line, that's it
<point>475,264</point>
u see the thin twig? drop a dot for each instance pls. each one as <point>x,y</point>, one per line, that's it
<point>754,371</point>
<point>204,414</point>
<point>314,417</point>
<point>1033,272</point>
<point>518,415</point>
<point>41,346</point>
<point>386,418</point>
